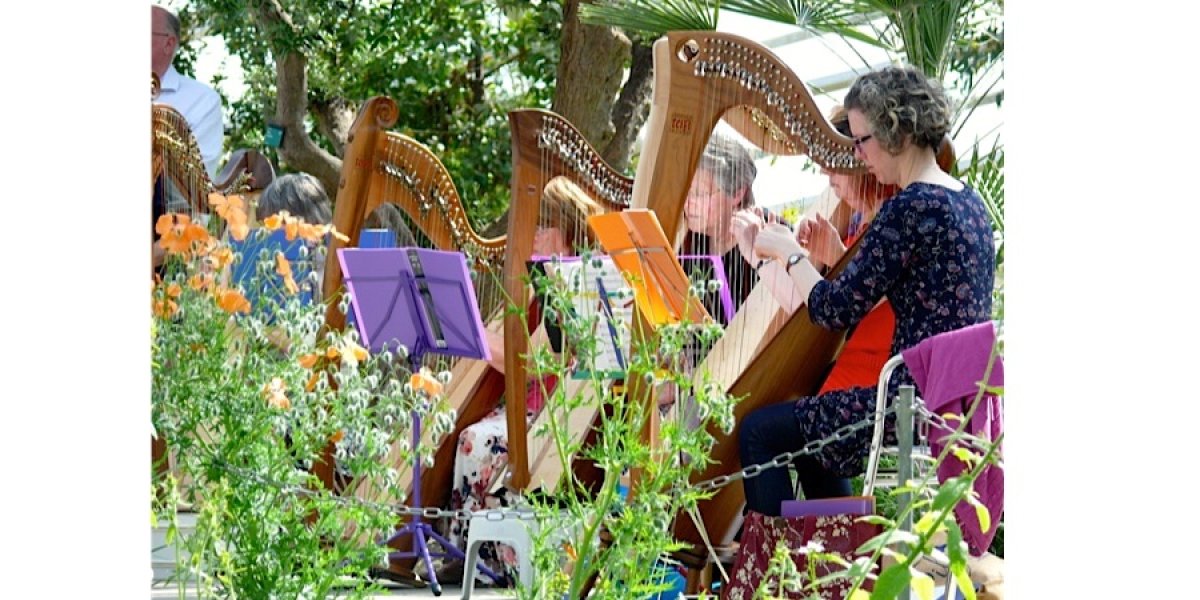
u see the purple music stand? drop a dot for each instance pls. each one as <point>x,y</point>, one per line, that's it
<point>718,271</point>
<point>421,299</point>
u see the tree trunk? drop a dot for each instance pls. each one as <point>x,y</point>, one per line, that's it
<point>334,119</point>
<point>291,101</point>
<point>590,71</point>
<point>632,108</point>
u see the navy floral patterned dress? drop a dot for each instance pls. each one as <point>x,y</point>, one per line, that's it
<point>930,251</point>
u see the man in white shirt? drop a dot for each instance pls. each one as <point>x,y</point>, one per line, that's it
<point>199,104</point>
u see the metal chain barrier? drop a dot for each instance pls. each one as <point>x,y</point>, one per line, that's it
<point>787,458</point>
<point>782,460</point>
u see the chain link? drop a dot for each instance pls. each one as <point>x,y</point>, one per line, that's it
<point>716,483</point>
<point>937,420</point>
<point>787,458</point>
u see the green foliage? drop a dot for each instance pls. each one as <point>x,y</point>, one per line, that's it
<point>455,69</point>
<point>593,533</point>
<point>248,402</point>
<point>652,18</point>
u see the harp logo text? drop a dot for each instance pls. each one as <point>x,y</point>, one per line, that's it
<point>681,124</point>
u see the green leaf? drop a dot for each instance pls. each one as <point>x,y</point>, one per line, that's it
<point>965,455</point>
<point>981,511</point>
<point>859,594</point>
<point>957,550</point>
<point>893,581</point>
<point>953,490</point>
<point>922,584</point>
<point>887,538</point>
<point>877,520</point>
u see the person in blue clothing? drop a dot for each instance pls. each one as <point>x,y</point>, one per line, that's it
<point>929,251</point>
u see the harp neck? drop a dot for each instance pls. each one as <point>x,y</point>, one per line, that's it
<point>702,77</point>
<point>544,145</point>
<point>382,166</point>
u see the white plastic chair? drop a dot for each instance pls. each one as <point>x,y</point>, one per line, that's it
<point>487,527</point>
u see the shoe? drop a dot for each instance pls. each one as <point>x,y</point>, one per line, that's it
<point>403,578</point>
<point>450,572</point>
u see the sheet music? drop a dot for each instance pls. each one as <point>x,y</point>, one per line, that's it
<point>601,289</point>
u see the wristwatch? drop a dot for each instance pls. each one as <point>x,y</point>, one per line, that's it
<point>793,259</point>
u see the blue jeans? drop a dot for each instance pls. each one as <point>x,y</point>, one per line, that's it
<point>768,432</point>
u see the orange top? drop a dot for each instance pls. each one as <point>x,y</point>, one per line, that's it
<point>866,350</point>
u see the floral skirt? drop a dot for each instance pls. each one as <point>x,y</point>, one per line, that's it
<point>479,460</point>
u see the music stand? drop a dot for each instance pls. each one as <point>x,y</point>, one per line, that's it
<point>421,299</point>
<point>636,242</point>
<point>712,264</point>
<point>373,238</point>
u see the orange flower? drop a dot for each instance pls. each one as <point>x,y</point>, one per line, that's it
<point>339,235</point>
<point>239,230</point>
<point>229,207</point>
<point>332,353</point>
<point>200,281</point>
<point>177,233</point>
<point>220,257</point>
<point>174,290</point>
<point>165,308</point>
<point>312,382</point>
<point>232,301</point>
<point>167,222</point>
<point>275,394</point>
<point>284,268</point>
<point>355,350</point>
<point>291,228</point>
<point>310,232</point>
<point>308,361</point>
<point>425,382</point>
<point>274,221</point>
<point>337,436</point>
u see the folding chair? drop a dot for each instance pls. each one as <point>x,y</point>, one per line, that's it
<point>910,455</point>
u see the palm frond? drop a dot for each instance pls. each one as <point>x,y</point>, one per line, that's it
<point>817,16</point>
<point>652,17</point>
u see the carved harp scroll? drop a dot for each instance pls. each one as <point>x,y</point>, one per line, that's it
<point>701,77</point>
<point>544,145</point>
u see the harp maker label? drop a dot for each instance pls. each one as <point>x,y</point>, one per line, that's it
<point>681,123</point>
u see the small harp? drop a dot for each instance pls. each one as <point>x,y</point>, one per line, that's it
<point>382,167</point>
<point>175,158</point>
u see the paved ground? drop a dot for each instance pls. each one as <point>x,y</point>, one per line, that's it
<point>159,591</point>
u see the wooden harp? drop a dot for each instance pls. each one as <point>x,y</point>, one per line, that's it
<point>175,157</point>
<point>702,77</point>
<point>386,167</point>
<point>544,145</point>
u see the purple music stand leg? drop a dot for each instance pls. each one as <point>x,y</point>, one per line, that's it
<point>421,530</point>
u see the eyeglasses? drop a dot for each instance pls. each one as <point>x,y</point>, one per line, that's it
<point>859,141</point>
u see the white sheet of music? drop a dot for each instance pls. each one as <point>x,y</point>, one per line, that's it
<point>611,331</point>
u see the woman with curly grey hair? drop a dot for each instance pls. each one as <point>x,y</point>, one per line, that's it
<point>928,251</point>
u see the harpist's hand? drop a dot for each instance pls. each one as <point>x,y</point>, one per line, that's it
<point>776,241</point>
<point>746,225</point>
<point>817,235</point>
